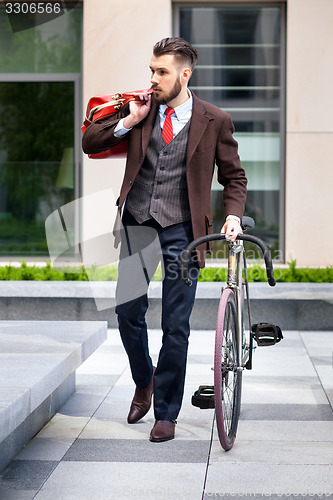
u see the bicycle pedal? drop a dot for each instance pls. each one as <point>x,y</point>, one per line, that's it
<point>266,334</point>
<point>204,397</point>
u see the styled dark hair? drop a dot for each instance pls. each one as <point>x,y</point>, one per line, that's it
<point>180,48</point>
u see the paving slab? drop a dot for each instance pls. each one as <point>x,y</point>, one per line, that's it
<point>116,481</point>
<point>256,480</point>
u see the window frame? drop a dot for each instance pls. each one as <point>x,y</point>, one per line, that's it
<point>282,6</point>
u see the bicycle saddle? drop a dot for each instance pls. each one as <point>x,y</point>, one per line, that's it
<point>247,223</point>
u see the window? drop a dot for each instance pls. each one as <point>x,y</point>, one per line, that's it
<point>40,88</point>
<point>52,47</point>
<point>241,70</point>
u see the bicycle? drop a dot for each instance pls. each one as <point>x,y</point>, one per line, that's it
<point>233,343</point>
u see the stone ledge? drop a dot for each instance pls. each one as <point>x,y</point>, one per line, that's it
<point>38,360</point>
<point>205,290</point>
<point>301,306</point>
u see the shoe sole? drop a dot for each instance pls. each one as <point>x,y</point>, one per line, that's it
<point>160,440</point>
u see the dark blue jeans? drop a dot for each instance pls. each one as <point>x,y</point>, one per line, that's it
<point>177,304</point>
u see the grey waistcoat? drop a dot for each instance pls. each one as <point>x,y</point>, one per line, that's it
<point>160,188</point>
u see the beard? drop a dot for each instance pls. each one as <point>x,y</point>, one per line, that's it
<point>165,98</point>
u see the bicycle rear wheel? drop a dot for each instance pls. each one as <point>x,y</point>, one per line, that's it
<point>227,379</point>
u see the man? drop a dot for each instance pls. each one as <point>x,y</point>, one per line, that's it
<point>174,140</point>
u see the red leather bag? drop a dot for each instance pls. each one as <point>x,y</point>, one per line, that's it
<point>107,105</point>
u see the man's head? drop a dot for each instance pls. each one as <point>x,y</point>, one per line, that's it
<point>171,65</point>
<point>185,54</point>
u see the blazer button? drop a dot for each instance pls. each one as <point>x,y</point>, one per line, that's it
<point>130,183</point>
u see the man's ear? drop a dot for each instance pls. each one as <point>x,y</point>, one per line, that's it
<point>186,74</point>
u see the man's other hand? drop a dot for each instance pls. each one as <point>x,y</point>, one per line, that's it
<point>231,229</point>
<point>138,110</point>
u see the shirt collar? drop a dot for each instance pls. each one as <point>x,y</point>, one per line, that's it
<point>180,111</point>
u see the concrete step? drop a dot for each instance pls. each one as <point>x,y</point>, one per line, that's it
<point>38,360</point>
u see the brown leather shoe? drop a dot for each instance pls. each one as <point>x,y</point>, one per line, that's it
<point>163,430</point>
<point>141,403</point>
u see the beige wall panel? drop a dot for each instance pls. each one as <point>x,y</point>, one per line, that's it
<point>98,176</point>
<point>118,41</point>
<point>231,1</point>
<point>309,142</point>
<point>309,65</point>
<point>309,199</point>
<point>117,45</point>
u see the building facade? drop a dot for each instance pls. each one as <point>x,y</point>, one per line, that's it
<point>266,63</point>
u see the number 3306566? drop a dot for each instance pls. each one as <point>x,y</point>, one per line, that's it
<point>33,8</point>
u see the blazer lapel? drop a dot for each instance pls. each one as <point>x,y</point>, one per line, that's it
<point>199,122</point>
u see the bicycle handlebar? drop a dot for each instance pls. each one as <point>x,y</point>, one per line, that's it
<point>220,236</point>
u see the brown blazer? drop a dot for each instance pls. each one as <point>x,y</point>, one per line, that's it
<point>210,141</point>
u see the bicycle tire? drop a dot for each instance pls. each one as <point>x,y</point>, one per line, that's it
<point>227,379</point>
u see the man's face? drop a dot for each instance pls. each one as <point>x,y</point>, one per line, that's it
<point>165,78</point>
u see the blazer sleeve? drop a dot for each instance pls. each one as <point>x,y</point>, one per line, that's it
<point>99,136</point>
<point>229,170</point>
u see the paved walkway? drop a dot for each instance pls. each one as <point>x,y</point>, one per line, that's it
<point>284,447</point>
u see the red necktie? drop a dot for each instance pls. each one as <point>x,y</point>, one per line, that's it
<point>167,131</point>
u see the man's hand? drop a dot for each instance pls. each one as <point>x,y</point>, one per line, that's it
<point>138,110</point>
<point>231,229</point>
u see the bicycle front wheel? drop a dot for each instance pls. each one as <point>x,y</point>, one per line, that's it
<point>227,378</point>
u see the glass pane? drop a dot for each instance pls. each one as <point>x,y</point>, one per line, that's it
<point>52,47</point>
<point>253,54</point>
<point>36,161</point>
<point>230,25</point>
<point>240,98</point>
<point>236,76</point>
<point>239,70</point>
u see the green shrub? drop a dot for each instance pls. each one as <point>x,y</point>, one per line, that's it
<point>256,273</point>
<point>213,274</point>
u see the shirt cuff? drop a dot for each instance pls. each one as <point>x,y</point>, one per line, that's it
<point>120,130</point>
<point>233,217</point>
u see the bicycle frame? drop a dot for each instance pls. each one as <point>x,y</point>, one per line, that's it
<point>236,264</point>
